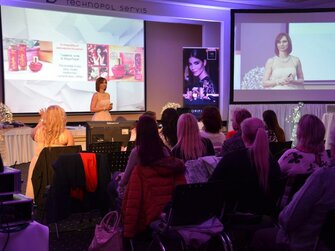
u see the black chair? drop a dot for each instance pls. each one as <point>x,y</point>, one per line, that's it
<point>43,172</point>
<point>278,148</point>
<point>118,160</point>
<point>292,185</point>
<point>105,147</point>
<point>130,145</point>
<point>192,204</point>
<point>327,233</point>
<point>74,190</point>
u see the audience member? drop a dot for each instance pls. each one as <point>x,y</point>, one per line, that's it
<point>212,121</point>
<point>50,131</point>
<point>147,145</point>
<point>168,133</point>
<point>274,131</point>
<point>235,142</point>
<point>301,220</point>
<point>190,144</point>
<point>150,114</point>
<point>251,174</point>
<point>309,154</point>
<point>152,180</point>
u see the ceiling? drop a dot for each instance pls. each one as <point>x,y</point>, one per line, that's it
<point>252,4</point>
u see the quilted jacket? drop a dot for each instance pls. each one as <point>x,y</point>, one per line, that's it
<point>148,191</point>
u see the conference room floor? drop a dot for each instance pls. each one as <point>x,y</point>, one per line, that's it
<point>76,233</point>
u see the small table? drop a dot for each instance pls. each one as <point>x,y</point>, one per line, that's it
<point>16,145</point>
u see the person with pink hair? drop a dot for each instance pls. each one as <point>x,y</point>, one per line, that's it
<point>251,175</point>
<point>309,153</point>
<point>190,144</point>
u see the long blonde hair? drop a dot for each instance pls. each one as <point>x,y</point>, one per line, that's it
<point>256,140</point>
<point>189,140</point>
<point>54,124</point>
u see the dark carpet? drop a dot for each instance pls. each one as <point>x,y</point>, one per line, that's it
<point>76,232</point>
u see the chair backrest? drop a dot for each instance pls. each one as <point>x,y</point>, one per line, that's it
<point>105,147</point>
<point>43,172</point>
<point>293,184</point>
<point>118,160</point>
<point>327,233</point>
<point>278,148</point>
<point>131,145</point>
<point>195,203</point>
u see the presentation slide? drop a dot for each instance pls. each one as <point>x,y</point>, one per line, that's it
<point>283,56</point>
<point>54,58</point>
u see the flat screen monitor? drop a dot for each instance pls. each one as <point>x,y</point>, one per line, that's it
<point>282,56</point>
<point>99,132</point>
<point>54,58</point>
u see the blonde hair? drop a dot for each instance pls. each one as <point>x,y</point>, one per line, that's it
<point>189,140</point>
<point>256,139</point>
<point>54,124</point>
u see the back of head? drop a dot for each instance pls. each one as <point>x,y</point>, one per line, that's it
<point>211,119</point>
<point>311,134</point>
<point>55,121</point>
<point>189,139</point>
<point>238,116</point>
<point>148,142</point>
<point>270,119</point>
<point>150,114</point>
<point>169,122</point>
<point>256,140</point>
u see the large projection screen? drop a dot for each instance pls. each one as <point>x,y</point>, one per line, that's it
<point>51,58</point>
<point>309,65</point>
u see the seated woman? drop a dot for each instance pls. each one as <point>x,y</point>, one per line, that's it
<point>190,144</point>
<point>309,154</point>
<point>140,142</point>
<point>212,121</point>
<point>168,133</point>
<point>274,131</point>
<point>251,175</point>
<point>152,180</point>
<point>300,222</point>
<point>50,131</point>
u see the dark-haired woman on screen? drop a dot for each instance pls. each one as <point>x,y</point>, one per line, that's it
<point>100,103</point>
<point>199,83</point>
<point>283,71</point>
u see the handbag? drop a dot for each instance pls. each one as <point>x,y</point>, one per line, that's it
<point>108,234</point>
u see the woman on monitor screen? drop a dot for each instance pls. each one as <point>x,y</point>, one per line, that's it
<point>283,71</point>
<point>100,103</point>
<point>199,84</point>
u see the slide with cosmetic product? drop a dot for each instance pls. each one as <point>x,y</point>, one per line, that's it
<point>282,56</point>
<point>52,57</point>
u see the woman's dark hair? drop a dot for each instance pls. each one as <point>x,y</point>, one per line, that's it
<point>99,81</point>
<point>200,54</point>
<point>271,122</point>
<point>270,119</point>
<point>169,122</point>
<point>211,119</point>
<point>148,142</point>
